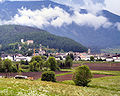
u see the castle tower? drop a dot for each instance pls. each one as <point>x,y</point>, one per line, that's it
<point>40,47</point>
<point>89,51</point>
<point>22,40</point>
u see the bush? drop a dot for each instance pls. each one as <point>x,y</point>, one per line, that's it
<point>82,75</point>
<point>48,76</point>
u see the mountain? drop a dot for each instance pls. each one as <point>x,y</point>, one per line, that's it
<point>86,35</point>
<point>14,33</point>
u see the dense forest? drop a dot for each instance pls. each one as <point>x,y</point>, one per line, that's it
<point>14,33</point>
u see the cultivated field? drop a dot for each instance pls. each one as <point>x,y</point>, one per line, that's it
<point>67,75</point>
<point>102,66</point>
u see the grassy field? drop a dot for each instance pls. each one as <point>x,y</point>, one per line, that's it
<point>107,86</point>
<point>116,73</point>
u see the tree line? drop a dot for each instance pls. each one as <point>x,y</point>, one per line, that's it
<point>37,64</point>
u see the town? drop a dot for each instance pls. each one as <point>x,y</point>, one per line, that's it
<point>86,56</point>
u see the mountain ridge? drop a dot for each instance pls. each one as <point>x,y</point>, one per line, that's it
<point>14,33</point>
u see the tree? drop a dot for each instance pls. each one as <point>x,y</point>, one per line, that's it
<point>46,64</point>
<point>53,63</point>
<point>36,63</point>
<point>36,58</point>
<point>29,53</point>
<point>44,57</point>
<point>34,66</point>
<point>91,58</point>
<point>31,66</point>
<point>68,62</point>
<point>40,65</point>
<point>82,75</point>
<point>72,56</point>
<point>7,65</point>
<point>1,65</point>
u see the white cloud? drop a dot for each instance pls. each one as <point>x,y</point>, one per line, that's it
<point>113,6</point>
<point>56,17</point>
<point>93,7</point>
<point>91,20</point>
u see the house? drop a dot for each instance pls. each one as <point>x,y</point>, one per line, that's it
<point>8,57</point>
<point>116,58</point>
<point>5,56</point>
<point>17,58</point>
<point>109,59</point>
<point>85,56</point>
<point>29,42</point>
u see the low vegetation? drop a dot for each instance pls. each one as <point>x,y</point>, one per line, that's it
<point>48,76</point>
<point>107,86</point>
<point>82,75</point>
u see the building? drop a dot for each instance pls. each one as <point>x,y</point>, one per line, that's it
<point>89,51</point>
<point>22,40</point>
<point>30,42</point>
<point>17,57</point>
<point>116,58</point>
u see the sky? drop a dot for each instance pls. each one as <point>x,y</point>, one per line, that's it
<point>111,5</point>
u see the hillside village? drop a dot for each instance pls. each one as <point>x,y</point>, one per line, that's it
<point>86,56</point>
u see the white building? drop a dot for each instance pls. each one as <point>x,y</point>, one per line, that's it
<point>8,57</point>
<point>22,58</point>
<point>109,59</point>
<point>22,40</point>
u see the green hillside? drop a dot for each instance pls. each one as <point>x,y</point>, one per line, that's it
<point>106,86</point>
<point>14,33</point>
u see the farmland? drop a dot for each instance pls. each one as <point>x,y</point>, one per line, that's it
<point>105,83</point>
<point>98,70</point>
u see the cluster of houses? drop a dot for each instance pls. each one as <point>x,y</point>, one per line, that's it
<point>16,57</point>
<point>61,56</point>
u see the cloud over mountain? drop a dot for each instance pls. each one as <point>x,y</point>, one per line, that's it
<point>56,17</point>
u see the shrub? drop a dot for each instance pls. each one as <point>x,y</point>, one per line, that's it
<point>48,76</point>
<point>82,75</point>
